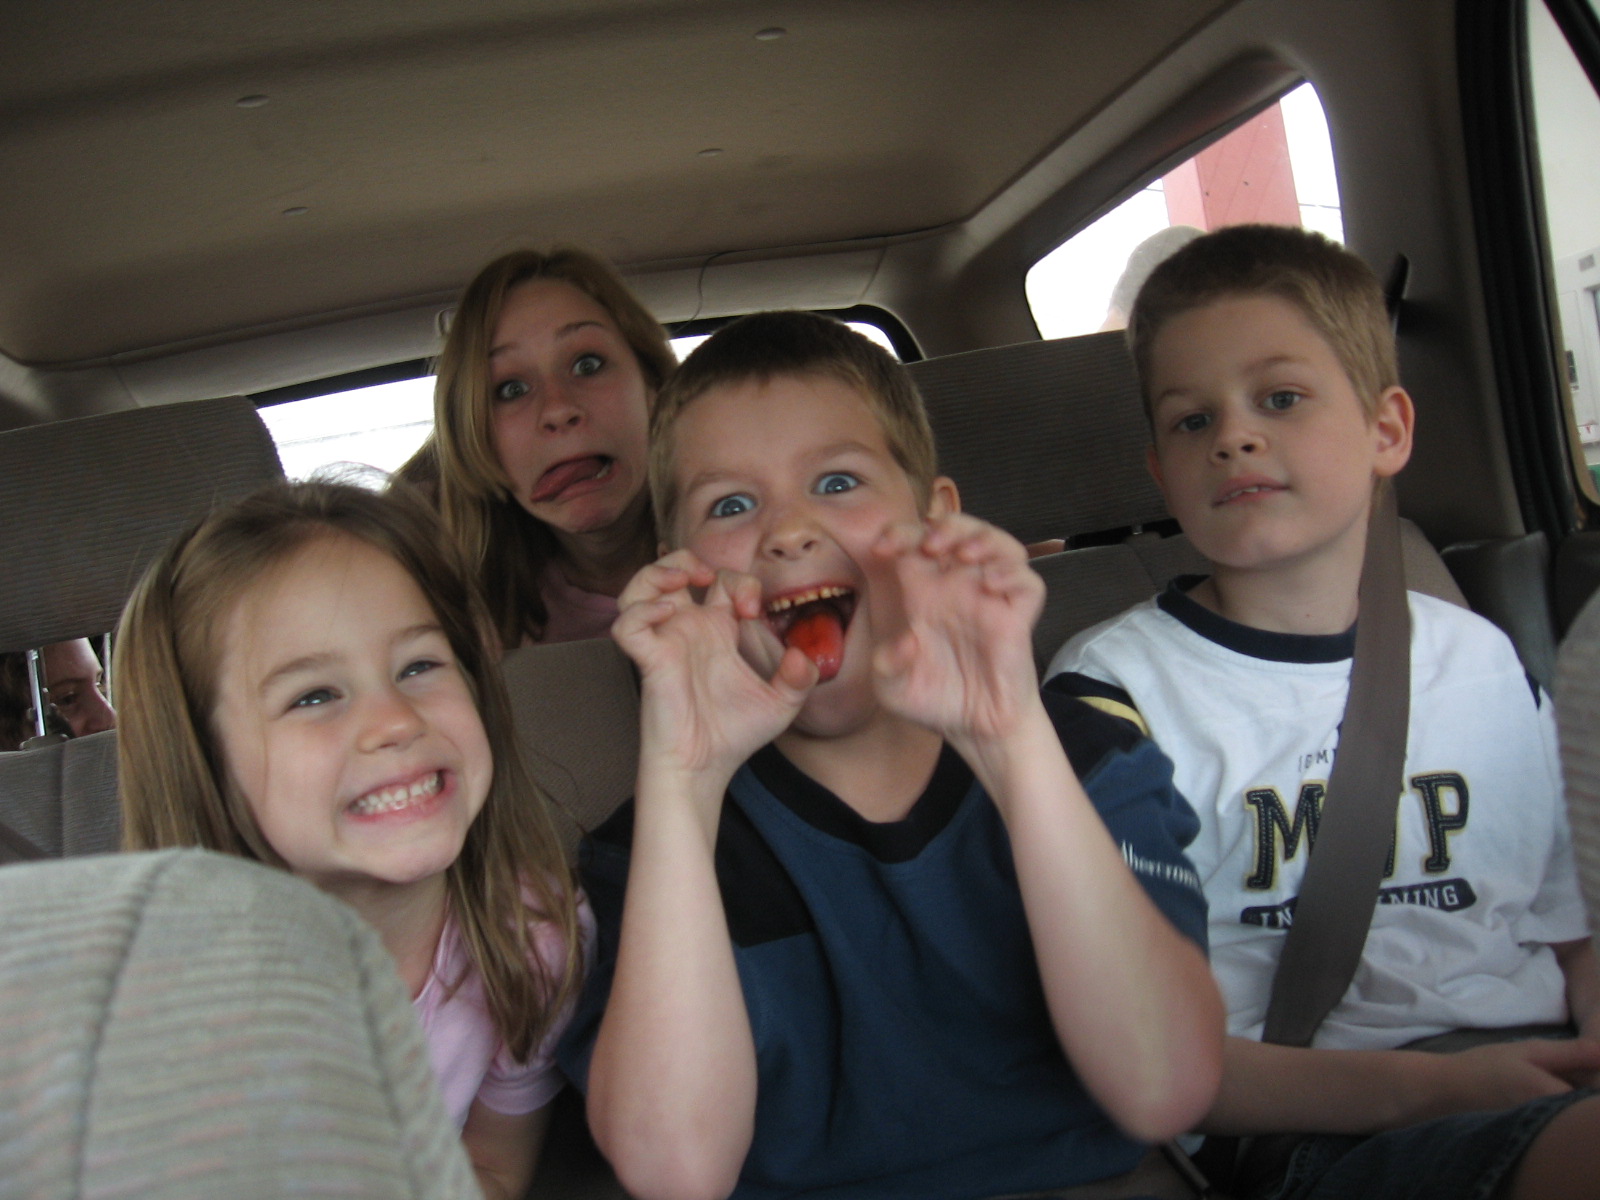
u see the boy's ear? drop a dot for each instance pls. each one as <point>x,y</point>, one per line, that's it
<point>1153,465</point>
<point>943,498</point>
<point>1393,422</point>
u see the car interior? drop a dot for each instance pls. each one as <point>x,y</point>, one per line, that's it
<point>212,207</point>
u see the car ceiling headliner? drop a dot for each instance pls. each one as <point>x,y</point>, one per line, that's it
<point>145,208</point>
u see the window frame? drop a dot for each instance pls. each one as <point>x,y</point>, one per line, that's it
<point>1505,189</point>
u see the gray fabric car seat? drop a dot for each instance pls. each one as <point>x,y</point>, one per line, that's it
<point>187,1025</point>
<point>1047,440</point>
<point>576,708</point>
<point>1044,439</point>
<point>1578,716</point>
<point>72,555</point>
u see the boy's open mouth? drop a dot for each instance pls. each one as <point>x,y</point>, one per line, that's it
<point>814,622</point>
<point>573,471</point>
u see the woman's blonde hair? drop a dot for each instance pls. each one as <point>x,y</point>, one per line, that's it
<point>177,790</point>
<point>506,547</point>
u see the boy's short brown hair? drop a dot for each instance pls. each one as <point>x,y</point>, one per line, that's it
<point>762,346</point>
<point>1330,286</point>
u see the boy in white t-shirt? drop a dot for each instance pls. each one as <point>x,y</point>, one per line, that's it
<point>1267,367</point>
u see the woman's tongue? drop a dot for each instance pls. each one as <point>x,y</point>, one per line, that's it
<point>564,475</point>
<point>818,633</point>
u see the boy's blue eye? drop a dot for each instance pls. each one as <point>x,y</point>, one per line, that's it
<point>314,698</point>
<point>1281,400</point>
<point>588,364</point>
<point>510,389</point>
<point>835,482</point>
<point>1192,422</point>
<point>732,506</point>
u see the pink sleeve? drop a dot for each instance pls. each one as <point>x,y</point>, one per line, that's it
<point>514,1088</point>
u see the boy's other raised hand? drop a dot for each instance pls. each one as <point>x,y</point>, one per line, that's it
<point>705,708</point>
<point>955,609</point>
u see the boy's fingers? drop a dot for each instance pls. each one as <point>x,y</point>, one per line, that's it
<point>743,593</point>
<point>676,572</point>
<point>897,539</point>
<point>893,658</point>
<point>1577,1054</point>
<point>796,675</point>
<point>640,617</point>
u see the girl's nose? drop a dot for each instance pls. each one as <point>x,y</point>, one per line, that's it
<point>561,409</point>
<point>389,719</point>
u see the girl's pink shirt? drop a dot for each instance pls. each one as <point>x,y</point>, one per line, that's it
<point>469,1059</point>
<point>574,614</point>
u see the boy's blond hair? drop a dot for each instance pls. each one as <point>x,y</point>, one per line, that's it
<point>763,346</point>
<point>175,786</point>
<point>1333,289</point>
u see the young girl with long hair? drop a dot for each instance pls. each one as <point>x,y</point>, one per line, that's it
<point>305,680</point>
<point>537,459</point>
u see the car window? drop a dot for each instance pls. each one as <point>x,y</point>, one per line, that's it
<point>1566,125</point>
<point>381,427</point>
<point>1276,167</point>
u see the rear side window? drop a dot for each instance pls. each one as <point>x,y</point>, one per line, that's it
<point>1276,168</point>
<point>378,428</point>
<point>1566,128</point>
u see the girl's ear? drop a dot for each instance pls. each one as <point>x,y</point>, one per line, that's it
<point>1393,422</point>
<point>943,498</point>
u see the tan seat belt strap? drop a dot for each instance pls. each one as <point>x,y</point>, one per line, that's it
<point>1351,838</point>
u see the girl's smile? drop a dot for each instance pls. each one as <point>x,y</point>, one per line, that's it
<point>346,722</point>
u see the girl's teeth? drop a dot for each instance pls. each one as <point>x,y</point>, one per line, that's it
<point>392,799</point>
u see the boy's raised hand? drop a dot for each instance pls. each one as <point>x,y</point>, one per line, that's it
<point>705,708</point>
<point>956,605</point>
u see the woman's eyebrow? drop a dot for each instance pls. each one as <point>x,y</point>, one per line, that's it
<point>564,331</point>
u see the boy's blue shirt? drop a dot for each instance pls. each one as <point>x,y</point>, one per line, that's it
<point>903,1043</point>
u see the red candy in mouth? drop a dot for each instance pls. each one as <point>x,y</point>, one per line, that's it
<point>818,633</point>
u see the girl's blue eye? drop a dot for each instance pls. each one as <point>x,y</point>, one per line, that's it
<point>419,667</point>
<point>732,506</point>
<point>1192,423</point>
<point>510,389</point>
<point>588,364</point>
<point>1281,401</point>
<point>314,698</point>
<point>835,482</point>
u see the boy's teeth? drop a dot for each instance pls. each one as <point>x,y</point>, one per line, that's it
<point>390,799</point>
<point>820,593</point>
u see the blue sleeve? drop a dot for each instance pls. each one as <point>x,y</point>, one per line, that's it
<point>1129,781</point>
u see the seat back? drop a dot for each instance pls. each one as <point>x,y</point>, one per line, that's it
<point>1044,439</point>
<point>189,1025</point>
<point>1578,716</point>
<point>61,800</point>
<point>72,555</point>
<point>1084,587</point>
<point>576,708</point>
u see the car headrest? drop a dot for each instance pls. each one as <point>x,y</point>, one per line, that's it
<point>1044,439</point>
<point>85,505</point>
